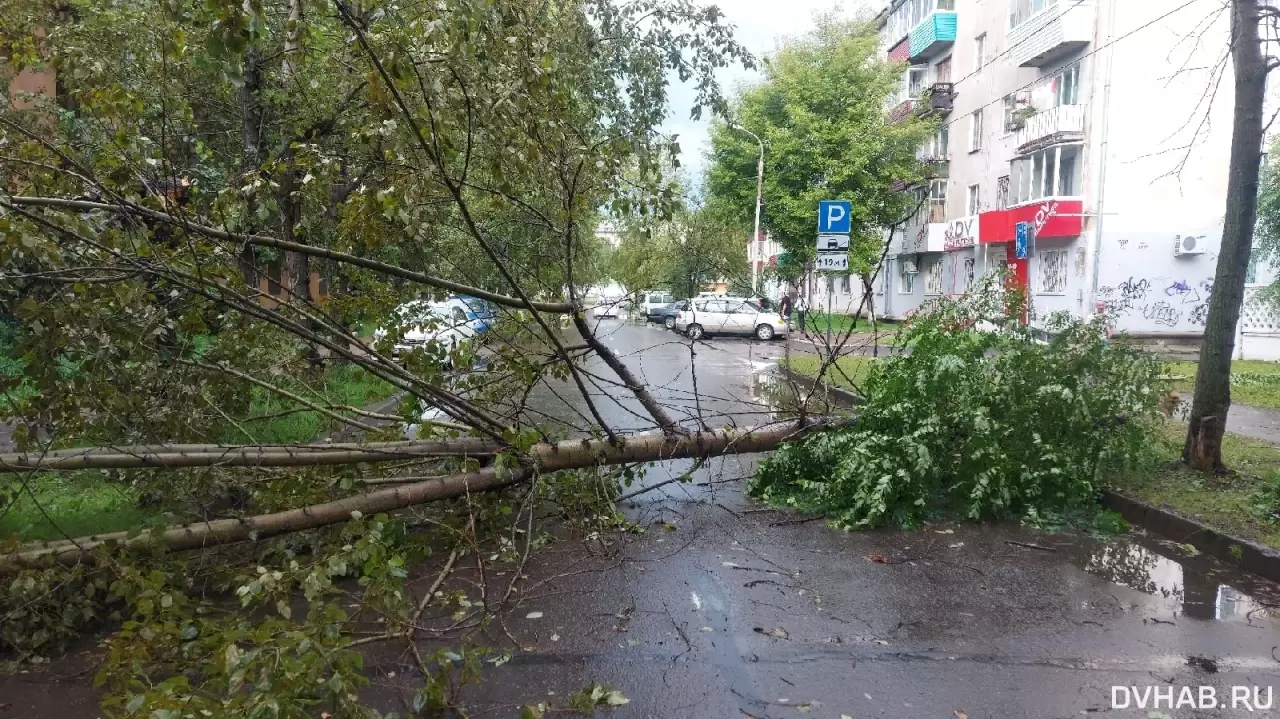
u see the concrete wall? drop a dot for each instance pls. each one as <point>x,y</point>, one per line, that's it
<point>1165,147</point>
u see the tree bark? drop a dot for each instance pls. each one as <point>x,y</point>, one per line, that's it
<point>572,454</point>
<point>251,147</point>
<point>1208,419</point>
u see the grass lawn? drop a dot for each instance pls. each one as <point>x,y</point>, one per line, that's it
<point>821,321</point>
<point>81,503</point>
<point>1243,506</point>
<point>846,374</point>
<point>1253,382</point>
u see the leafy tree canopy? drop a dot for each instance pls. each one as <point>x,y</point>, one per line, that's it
<point>821,112</point>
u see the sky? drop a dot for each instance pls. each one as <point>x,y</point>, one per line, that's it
<point>759,24</point>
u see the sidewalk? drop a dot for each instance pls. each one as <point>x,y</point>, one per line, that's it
<point>1253,422</point>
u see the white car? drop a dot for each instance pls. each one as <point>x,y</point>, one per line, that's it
<point>653,300</point>
<point>424,323</point>
<point>729,316</point>
<point>607,308</point>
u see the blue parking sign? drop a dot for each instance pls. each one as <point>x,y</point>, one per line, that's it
<point>1022,240</point>
<point>834,217</point>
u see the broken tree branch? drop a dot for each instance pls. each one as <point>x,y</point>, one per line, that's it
<point>573,454</point>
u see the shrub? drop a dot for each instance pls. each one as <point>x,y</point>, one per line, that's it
<point>980,420</point>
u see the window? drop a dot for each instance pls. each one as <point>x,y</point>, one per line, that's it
<point>1002,193</point>
<point>940,145</point>
<point>906,276</point>
<point>942,71</point>
<point>1024,10</point>
<point>933,278</point>
<point>1010,107</point>
<point>915,81</point>
<point>844,284</point>
<point>742,308</point>
<point>1053,272</point>
<point>979,52</point>
<point>458,316</point>
<point>975,131</point>
<point>1052,172</point>
<point>1251,272</point>
<point>938,201</point>
<point>1066,86</point>
<point>974,201</point>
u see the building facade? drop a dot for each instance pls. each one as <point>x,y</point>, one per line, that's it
<point>1094,124</point>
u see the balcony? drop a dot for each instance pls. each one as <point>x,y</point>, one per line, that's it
<point>900,113</point>
<point>937,100</point>
<point>933,36</point>
<point>1064,123</point>
<point>1045,38</point>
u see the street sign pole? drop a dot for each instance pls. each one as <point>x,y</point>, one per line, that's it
<point>835,222</point>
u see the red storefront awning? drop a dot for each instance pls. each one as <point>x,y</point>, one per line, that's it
<point>1049,218</point>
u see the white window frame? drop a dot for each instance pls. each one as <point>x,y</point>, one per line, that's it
<point>916,88</point>
<point>1071,72</point>
<point>906,280</point>
<point>940,145</point>
<point>1020,11</point>
<point>1040,276</point>
<point>979,52</point>
<point>1030,172</point>
<point>975,131</point>
<point>1010,108</point>
<point>937,201</point>
<point>933,279</point>
<point>973,199</point>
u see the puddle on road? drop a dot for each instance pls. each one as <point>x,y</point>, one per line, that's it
<point>1196,587</point>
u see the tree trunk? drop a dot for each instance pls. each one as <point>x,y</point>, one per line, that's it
<point>251,147</point>
<point>572,454</point>
<point>1208,419</point>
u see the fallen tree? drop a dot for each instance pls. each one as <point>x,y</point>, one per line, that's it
<point>574,454</point>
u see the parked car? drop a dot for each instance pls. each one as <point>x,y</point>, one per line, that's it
<point>666,314</point>
<point>653,300</point>
<point>736,316</point>
<point>445,324</point>
<point>608,308</point>
<point>480,313</point>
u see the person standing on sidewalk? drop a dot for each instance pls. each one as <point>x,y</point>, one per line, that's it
<point>784,308</point>
<point>802,308</point>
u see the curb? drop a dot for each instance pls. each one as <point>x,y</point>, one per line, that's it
<point>1253,557</point>
<point>843,396</point>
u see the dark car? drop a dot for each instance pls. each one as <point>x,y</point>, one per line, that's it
<point>666,314</point>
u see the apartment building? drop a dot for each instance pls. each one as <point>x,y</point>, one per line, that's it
<point>1094,124</point>
<point>762,255</point>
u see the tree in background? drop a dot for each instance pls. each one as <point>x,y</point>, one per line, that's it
<point>822,107</point>
<point>701,243</point>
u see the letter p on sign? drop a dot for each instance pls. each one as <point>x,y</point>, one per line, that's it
<point>834,217</point>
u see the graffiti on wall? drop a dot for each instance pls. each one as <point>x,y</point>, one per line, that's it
<point>1180,289</point>
<point>1162,313</point>
<point>1125,296</point>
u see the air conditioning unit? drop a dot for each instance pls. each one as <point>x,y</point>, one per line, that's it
<point>1188,245</point>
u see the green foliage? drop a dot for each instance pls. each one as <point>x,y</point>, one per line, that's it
<point>1253,382</point>
<point>1245,505</point>
<point>976,424</point>
<point>821,114</point>
<point>701,243</point>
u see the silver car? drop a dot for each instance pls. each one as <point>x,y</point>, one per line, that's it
<point>728,316</point>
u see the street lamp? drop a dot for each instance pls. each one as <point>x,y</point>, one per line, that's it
<point>755,239</point>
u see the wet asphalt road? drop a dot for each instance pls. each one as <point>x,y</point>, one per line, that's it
<point>723,609</point>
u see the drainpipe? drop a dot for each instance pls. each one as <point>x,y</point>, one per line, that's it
<point>1092,307</point>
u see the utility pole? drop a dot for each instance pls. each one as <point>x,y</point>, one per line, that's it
<point>755,238</point>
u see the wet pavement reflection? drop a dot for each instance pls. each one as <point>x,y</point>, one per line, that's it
<point>723,608</point>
